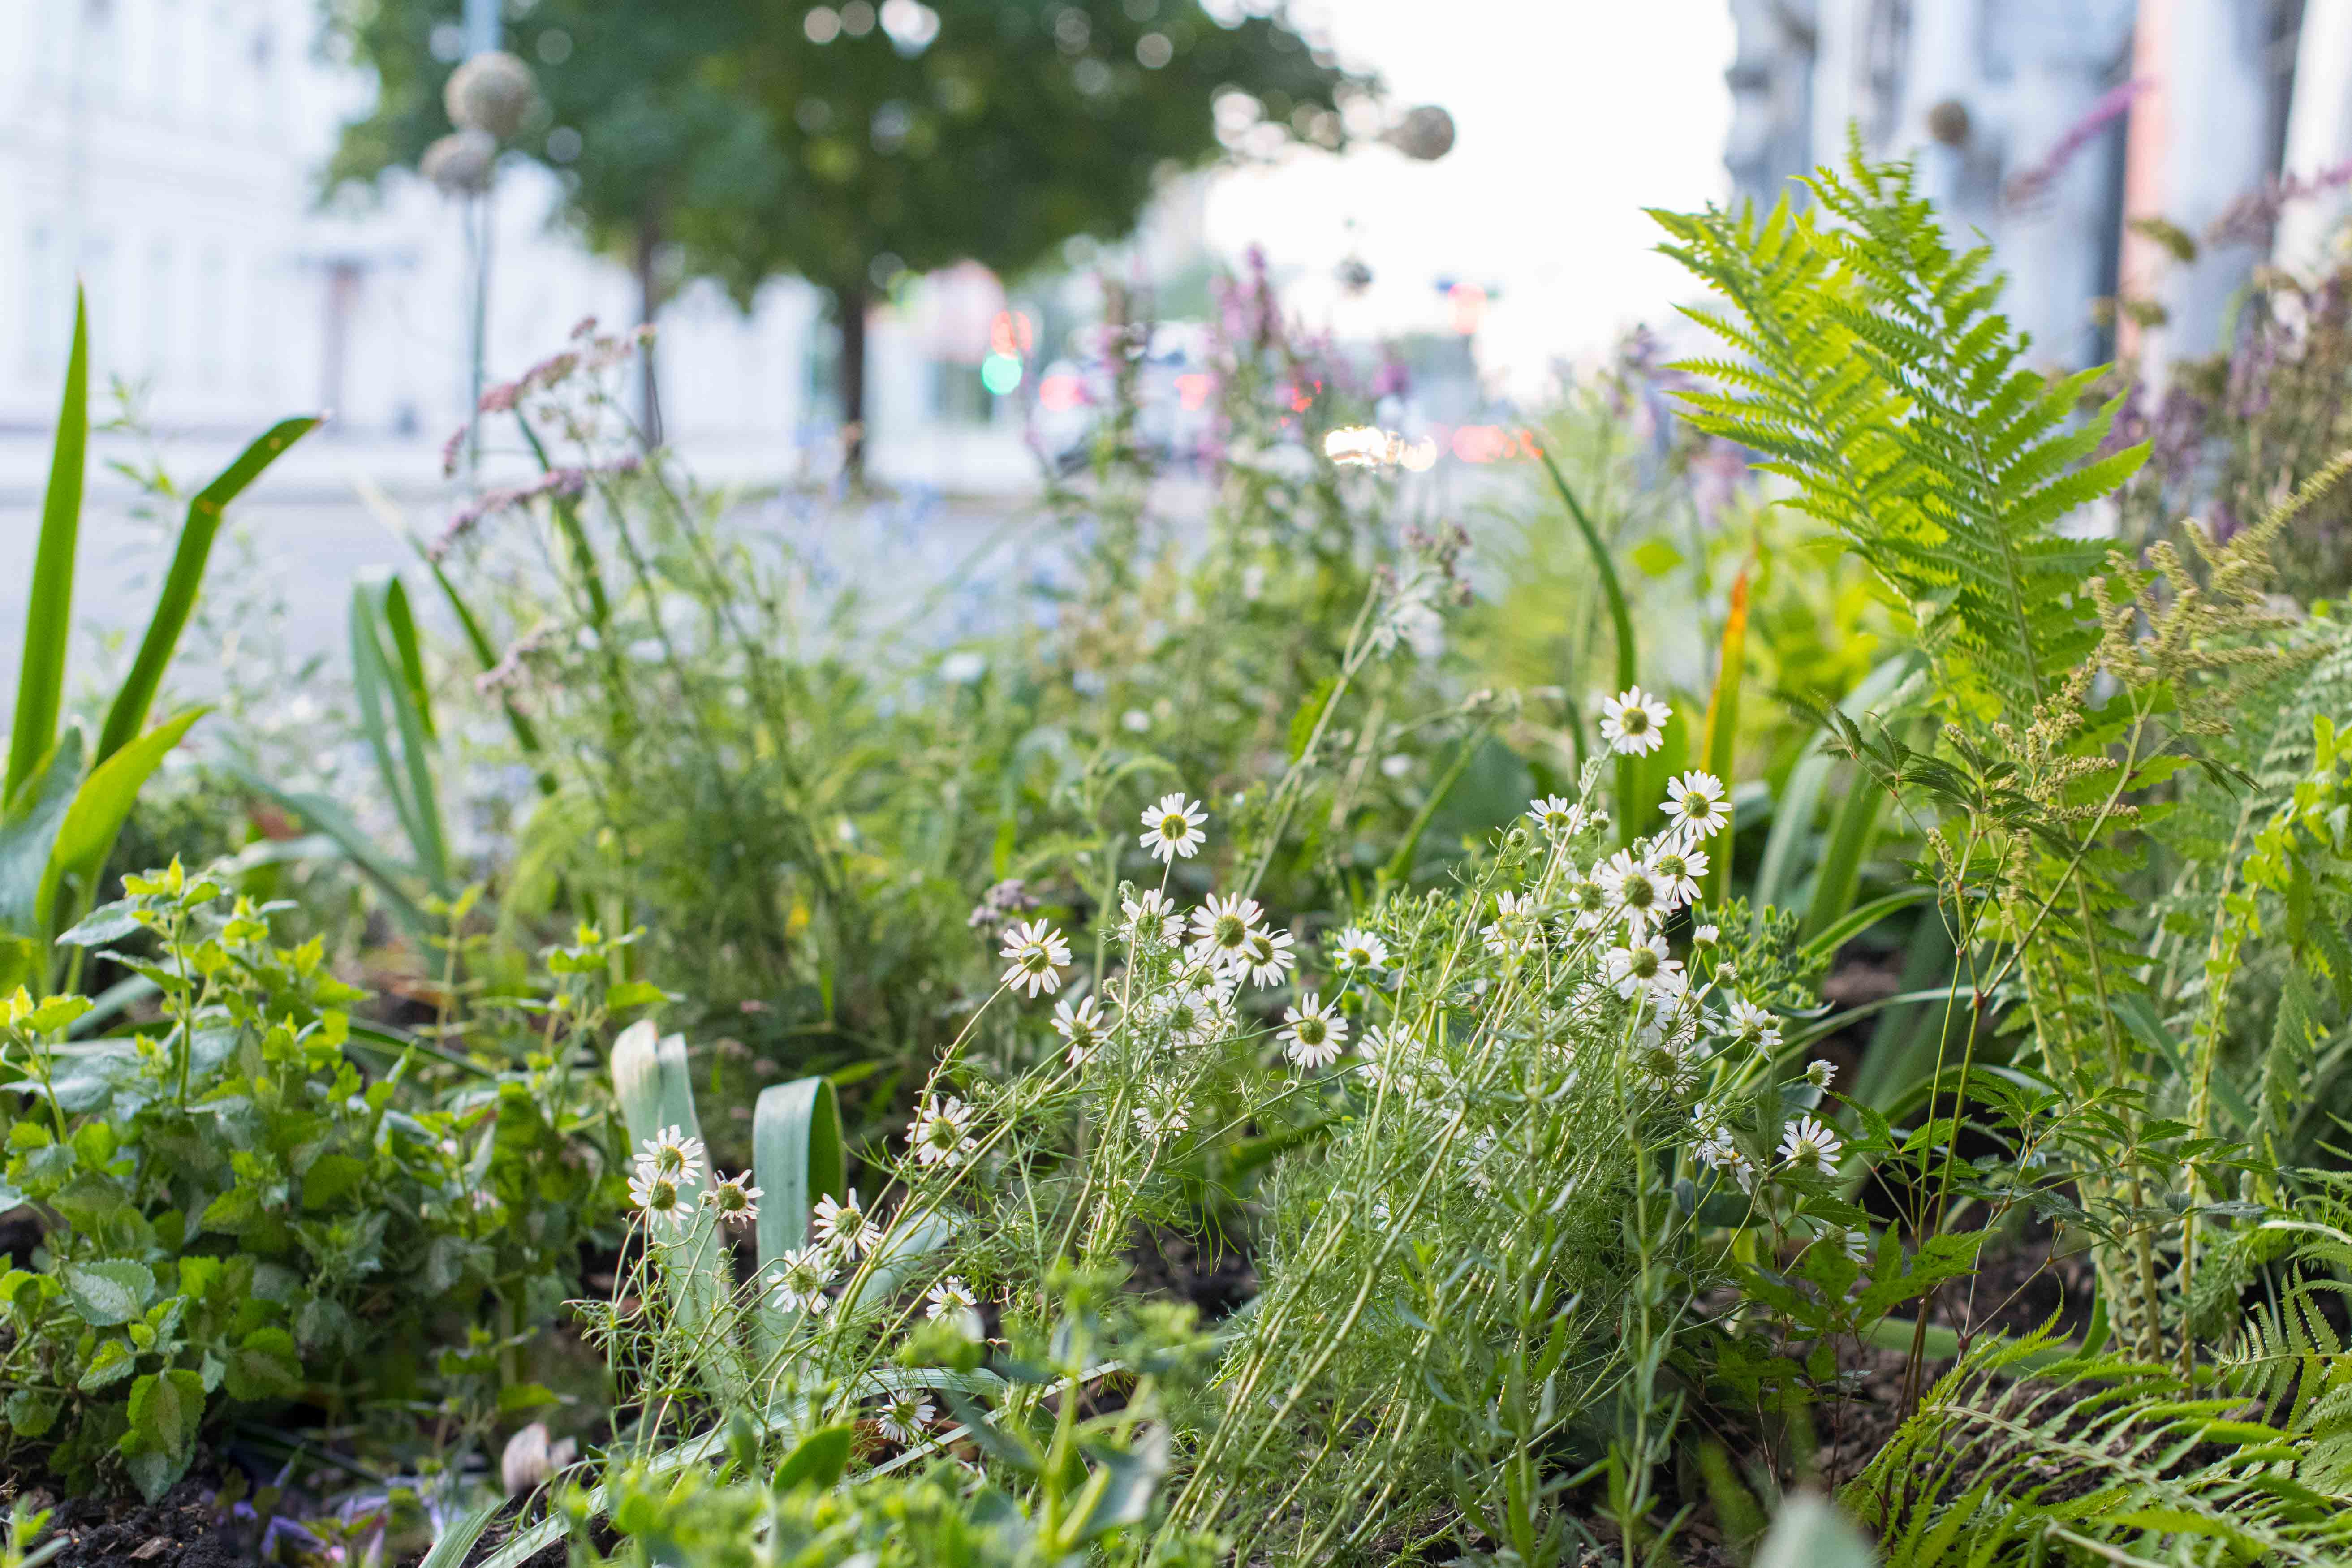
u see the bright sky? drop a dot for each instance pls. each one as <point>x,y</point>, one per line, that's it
<point>1570,117</point>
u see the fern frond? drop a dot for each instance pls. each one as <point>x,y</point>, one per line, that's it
<point>1881,381</point>
<point>2102,1458</point>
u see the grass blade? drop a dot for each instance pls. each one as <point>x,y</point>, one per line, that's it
<point>1722,729</point>
<point>1852,838</point>
<point>1855,921</point>
<point>391,878</point>
<point>128,715</point>
<point>29,837</point>
<point>1792,816</point>
<point>450,1548</point>
<point>1398,869</point>
<point>408,666</point>
<point>384,679</point>
<point>102,804</point>
<point>1904,1043</point>
<point>48,613</point>
<point>1621,618</point>
<point>526,735</point>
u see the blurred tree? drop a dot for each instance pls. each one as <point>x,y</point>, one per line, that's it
<point>742,139</point>
<point>635,115</point>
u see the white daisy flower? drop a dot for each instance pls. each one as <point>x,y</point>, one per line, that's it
<point>1677,864</point>
<point>1588,902</point>
<point>1820,1072</point>
<point>733,1202</point>
<point>1162,1119</point>
<point>1720,1153</point>
<point>1665,995</point>
<point>662,1200</point>
<point>1314,1033</point>
<point>670,1153</point>
<point>1266,957</point>
<point>1694,804</point>
<point>949,1295</point>
<point>1559,817</point>
<point>1194,1015</point>
<point>1706,936</point>
<point>1083,1027</point>
<point>904,1417</point>
<point>1222,927</point>
<point>1355,951</point>
<point>1633,723</point>
<point>1389,1057</point>
<point>1039,954</point>
<point>1171,827</point>
<point>1516,927</point>
<point>1661,1061</point>
<point>937,1134</point>
<point>1752,1026</point>
<point>1148,922</point>
<point>1631,969</point>
<point>1852,1241</point>
<point>1636,894</point>
<point>801,1278</point>
<point>1807,1142</point>
<point>847,1224</point>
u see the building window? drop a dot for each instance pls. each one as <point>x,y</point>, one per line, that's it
<point>104,307</point>
<point>212,303</point>
<point>159,311</point>
<point>47,304</point>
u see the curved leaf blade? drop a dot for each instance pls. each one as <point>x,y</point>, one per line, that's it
<point>127,714</point>
<point>48,613</point>
<point>103,804</point>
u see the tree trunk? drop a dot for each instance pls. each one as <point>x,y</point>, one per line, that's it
<point>849,299</point>
<point>649,419</point>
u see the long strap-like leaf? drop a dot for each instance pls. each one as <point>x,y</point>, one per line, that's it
<point>48,614</point>
<point>388,678</point>
<point>653,1083</point>
<point>128,715</point>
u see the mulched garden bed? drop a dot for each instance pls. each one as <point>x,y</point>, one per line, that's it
<point>182,1529</point>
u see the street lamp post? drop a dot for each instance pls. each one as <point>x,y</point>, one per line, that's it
<point>482,36</point>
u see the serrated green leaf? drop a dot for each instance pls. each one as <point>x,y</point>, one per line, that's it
<point>166,1410</point>
<point>108,1294</point>
<point>265,1365</point>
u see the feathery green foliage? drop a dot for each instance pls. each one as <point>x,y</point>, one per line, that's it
<point>2104,1457</point>
<point>1879,378</point>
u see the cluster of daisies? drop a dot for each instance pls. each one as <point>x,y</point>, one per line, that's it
<point>1224,944</point>
<point>1625,900</point>
<point>666,1186</point>
<point>844,1230</point>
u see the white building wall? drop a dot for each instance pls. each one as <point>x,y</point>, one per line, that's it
<point>167,152</point>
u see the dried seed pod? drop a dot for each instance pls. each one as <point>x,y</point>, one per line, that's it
<point>492,92</point>
<point>1425,135</point>
<point>458,164</point>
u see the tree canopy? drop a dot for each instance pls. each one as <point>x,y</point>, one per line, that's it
<point>747,139</point>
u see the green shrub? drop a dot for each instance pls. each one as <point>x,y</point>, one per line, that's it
<point>237,1218</point>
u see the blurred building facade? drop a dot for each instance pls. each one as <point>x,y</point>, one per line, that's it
<point>2050,126</point>
<point>167,153</point>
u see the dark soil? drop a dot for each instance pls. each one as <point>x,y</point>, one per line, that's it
<point>1209,1271</point>
<point>180,1530</point>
